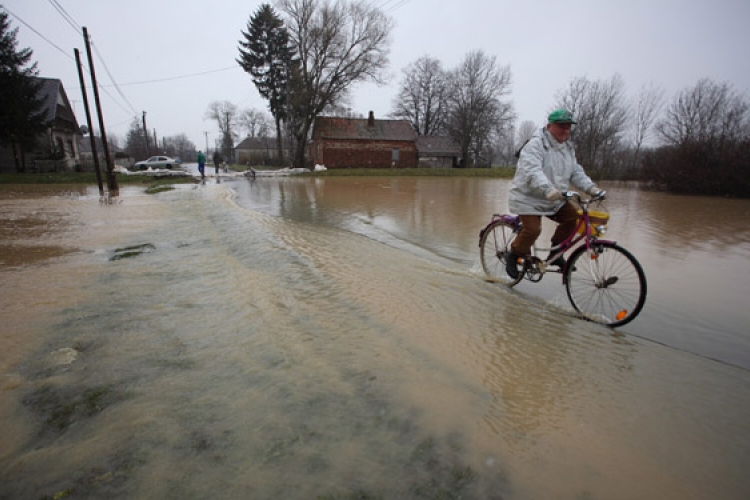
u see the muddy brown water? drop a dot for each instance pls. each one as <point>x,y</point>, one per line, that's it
<point>333,338</point>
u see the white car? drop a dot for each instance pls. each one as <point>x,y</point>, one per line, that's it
<point>156,162</point>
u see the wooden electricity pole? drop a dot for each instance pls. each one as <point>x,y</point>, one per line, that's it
<point>88,121</point>
<point>114,189</point>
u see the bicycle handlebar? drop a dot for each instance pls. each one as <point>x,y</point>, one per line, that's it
<point>575,194</point>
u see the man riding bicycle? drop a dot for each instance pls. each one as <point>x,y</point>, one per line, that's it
<point>546,167</point>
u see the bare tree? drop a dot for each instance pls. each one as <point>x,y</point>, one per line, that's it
<point>182,146</point>
<point>337,44</point>
<point>525,131</point>
<point>224,113</point>
<point>114,141</point>
<point>255,123</point>
<point>477,115</point>
<point>646,109</point>
<point>423,97</point>
<point>707,112</point>
<point>505,147</point>
<point>601,112</point>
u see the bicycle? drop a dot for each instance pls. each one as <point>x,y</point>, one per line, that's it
<point>604,282</point>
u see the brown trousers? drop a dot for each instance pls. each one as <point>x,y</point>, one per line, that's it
<point>566,219</point>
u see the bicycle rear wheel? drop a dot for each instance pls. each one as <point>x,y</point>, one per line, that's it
<point>606,285</point>
<point>494,247</point>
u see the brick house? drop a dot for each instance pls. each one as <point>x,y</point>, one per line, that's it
<point>370,143</point>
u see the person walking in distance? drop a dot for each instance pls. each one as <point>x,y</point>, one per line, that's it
<point>217,161</point>
<point>547,166</point>
<point>202,164</point>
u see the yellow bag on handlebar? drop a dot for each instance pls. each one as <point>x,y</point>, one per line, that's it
<point>596,218</point>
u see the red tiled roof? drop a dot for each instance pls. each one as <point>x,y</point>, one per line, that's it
<point>327,127</point>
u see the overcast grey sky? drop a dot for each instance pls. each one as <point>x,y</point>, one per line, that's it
<point>172,58</point>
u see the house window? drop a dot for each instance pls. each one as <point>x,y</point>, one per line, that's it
<point>394,154</point>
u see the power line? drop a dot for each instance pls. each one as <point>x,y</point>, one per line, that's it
<point>384,4</point>
<point>39,34</point>
<point>179,77</point>
<point>68,18</point>
<point>78,29</point>
<point>117,87</point>
<point>391,9</point>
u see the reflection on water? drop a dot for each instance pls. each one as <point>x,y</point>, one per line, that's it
<point>314,338</point>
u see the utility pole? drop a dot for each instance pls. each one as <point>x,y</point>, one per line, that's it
<point>88,120</point>
<point>206,132</point>
<point>114,189</point>
<point>145,134</point>
<point>156,142</point>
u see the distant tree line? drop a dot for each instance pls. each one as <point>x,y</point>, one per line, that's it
<point>139,146</point>
<point>697,144</point>
<point>706,136</point>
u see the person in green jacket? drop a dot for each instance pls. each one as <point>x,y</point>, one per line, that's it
<point>202,164</point>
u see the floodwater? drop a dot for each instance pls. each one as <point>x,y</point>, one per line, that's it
<point>334,339</point>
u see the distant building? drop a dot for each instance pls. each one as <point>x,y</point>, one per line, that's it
<point>437,151</point>
<point>370,143</point>
<point>261,151</point>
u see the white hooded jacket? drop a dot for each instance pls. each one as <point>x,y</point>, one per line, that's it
<point>544,165</point>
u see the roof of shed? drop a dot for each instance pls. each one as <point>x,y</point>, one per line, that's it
<point>436,145</point>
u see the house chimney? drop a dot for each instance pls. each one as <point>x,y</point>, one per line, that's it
<point>371,120</point>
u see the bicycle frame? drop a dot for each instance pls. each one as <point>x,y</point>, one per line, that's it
<point>581,232</point>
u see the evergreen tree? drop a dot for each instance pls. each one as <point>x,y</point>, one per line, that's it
<point>21,106</point>
<point>266,55</point>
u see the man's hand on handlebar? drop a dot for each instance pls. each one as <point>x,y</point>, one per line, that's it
<point>598,194</point>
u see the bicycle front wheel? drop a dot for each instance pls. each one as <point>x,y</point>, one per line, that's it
<point>606,284</point>
<point>494,247</point>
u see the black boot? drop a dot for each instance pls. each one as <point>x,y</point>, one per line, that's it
<point>511,265</point>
